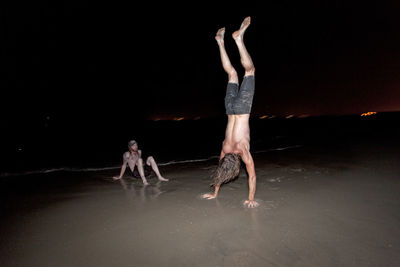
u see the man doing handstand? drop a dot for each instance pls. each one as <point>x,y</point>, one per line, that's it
<point>238,104</point>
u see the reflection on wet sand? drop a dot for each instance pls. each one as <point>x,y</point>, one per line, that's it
<point>141,192</point>
<point>323,215</point>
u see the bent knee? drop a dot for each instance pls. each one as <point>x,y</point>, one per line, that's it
<point>233,76</point>
<point>250,71</point>
<point>149,160</point>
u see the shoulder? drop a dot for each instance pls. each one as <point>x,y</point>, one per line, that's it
<point>243,145</point>
<point>126,155</point>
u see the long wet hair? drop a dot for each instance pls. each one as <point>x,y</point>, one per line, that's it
<point>227,170</point>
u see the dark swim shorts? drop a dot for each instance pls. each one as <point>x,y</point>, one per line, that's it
<point>147,171</point>
<point>240,101</point>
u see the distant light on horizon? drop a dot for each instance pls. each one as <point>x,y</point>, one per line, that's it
<point>368,113</point>
<point>166,118</point>
<point>289,116</point>
<point>179,118</point>
<point>304,115</point>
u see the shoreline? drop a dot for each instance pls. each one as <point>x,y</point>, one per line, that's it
<point>320,206</point>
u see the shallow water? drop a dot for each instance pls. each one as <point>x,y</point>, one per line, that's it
<point>59,147</point>
<point>317,209</point>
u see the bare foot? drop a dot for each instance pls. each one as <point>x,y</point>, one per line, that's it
<point>116,177</point>
<point>220,35</point>
<point>209,196</point>
<point>239,33</point>
<point>163,179</point>
<point>251,203</point>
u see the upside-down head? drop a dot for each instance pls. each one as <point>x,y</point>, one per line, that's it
<point>228,169</point>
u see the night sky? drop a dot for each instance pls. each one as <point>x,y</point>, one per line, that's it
<point>107,61</point>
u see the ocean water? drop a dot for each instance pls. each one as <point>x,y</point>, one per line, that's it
<point>89,147</point>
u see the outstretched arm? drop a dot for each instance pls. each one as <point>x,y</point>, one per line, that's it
<point>248,160</point>
<point>216,187</point>
<point>123,168</point>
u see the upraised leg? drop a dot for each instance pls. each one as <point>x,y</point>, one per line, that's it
<point>139,165</point>
<point>150,161</point>
<point>226,63</point>
<point>245,58</point>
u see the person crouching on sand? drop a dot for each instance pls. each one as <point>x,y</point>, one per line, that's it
<point>238,104</point>
<point>133,158</point>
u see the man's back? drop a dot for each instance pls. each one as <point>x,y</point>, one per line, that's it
<point>237,134</point>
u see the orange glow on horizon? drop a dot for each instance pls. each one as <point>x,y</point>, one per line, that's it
<point>179,118</point>
<point>368,113</point>
<point>304,116</point>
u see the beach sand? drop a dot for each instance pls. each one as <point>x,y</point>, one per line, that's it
<point>319,206</point>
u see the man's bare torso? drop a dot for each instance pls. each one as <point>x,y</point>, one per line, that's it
<point>131,157</point>
<point>237,134</point>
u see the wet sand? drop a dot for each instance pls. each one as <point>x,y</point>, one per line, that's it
<point>320,206</point>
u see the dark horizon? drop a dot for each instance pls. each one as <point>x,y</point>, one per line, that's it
<point>91,60</point>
